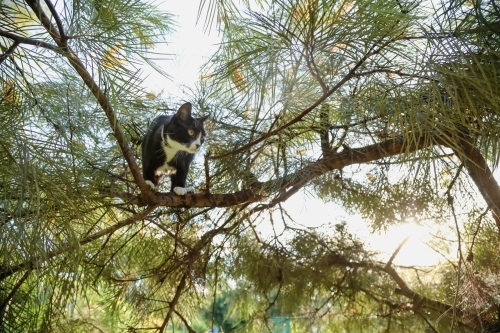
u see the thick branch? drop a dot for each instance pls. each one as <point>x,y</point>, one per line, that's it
<point>334,161</point>
<point>481,174</point>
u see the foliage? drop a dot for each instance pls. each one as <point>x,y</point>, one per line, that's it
<point>388,110</point>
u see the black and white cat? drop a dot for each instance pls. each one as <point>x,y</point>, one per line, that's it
<point>168,148</point>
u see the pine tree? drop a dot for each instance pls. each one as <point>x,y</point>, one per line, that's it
<point>388,110</point>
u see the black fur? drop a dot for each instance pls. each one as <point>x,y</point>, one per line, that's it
<point>184,134</point>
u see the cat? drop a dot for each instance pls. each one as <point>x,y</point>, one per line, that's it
<point>169,146</point>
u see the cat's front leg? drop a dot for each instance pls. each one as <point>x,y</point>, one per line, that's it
<point>179,180</point>
<point>150,176</point>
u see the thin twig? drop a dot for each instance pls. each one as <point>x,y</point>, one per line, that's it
<point>189,328</point>
<point>171,234</point>
<point>395,72</point>
<point>6,301</point>
<point>426,321</point>
<point>460,259</point>
<point>207,173</point>
<point>361,122</point>
<point>454,180</point>
<point>479,220</point>
<point>9,51</point>
<point>347,77</point>
<point>313,69</point>
<point>400,246</point>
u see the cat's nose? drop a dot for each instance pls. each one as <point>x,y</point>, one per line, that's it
<point>197,146</point>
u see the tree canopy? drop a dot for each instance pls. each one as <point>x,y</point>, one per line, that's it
<point>386,110</point>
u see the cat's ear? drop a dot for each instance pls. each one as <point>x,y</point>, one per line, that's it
<point>202,119</point>
<point>184,112</point>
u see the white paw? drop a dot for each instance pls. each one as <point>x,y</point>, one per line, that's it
<point>183,190</point>
<point>150,184</point>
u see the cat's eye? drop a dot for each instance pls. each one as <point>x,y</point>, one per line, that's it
<point>191,132</point>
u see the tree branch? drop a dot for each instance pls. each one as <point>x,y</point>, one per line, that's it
<point>313,69</point>
<point>171,234</point>
<point>419,301</point>
<point>64,38</point>
<point>9,51</point>
<point>45,20</point>
<point>35,263</point>
<point>101,97</point>
<point>29,41</point>
<point>400,246</point>
<point>173,303</point>
<point>6,301</point>
<point>431,328</point>
<point>481,174</point>
<point>334,161</point>
<point>186,323</point>
<point>324,96</point>
<point>395,72</point>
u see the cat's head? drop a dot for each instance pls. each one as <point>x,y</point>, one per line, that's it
<point>185,132</point>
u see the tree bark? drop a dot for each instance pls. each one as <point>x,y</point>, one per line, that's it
<point>481,174</point>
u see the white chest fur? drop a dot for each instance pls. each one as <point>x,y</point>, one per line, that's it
<point>170,153</point>
<point>172,148</point>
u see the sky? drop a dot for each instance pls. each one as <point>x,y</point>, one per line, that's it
<point>190,47</point>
